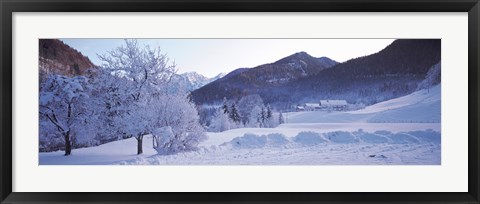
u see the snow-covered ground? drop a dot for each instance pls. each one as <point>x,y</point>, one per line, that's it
<point>306,148</point>
<point>419,107</point>
<point>400,131</point>
<point>104,154</point>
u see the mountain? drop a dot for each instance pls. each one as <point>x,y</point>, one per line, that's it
<point>327,62</point>
<point>59,58</point>
<point>233,73</point>
<point>192,80</point>
<point>245,81</point>
<point>219,76</point>
<point>392,72</point>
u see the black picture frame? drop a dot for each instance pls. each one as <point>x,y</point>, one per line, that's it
<point>8,7</point>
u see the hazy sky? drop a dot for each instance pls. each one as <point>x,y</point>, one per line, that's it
<point>210,57</point>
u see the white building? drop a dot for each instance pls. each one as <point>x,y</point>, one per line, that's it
<point>312,106</point>
<point>338,105</point>
<point>300,108</point>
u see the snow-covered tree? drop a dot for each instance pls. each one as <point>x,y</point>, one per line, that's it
<point>50,139</point>
<point>245,106</point>
<point>206,114</point>
<point>281,120</point>
<point>254,119</point>
<point>64,107</point>
<point>220,122</point>
<point>234,116</point>
<point>270,120</point>
<point>263,116</point>
<point>267,116</point>
<point>180,115</point>
<point>433,77</point>
<point>225,106</point>
<point>269,112</point>
<point>109,94</point>
<point>145,71</point>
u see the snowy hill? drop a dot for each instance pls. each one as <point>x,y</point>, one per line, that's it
<point>422,106</point>
<point>58,58</point>
<point>419,97</point>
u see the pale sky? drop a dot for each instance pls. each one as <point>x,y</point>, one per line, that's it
<point>210,57</point>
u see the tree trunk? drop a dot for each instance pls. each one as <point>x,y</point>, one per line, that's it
<point>68,144</point>
<point>139,145</point>
<point>154,141</point>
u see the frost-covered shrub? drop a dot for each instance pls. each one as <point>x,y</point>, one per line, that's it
<point>163,139</point>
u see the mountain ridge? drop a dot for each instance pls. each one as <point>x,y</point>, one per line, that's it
<point>59,58</point>
<point>284,70</point>
<point>392,72</point>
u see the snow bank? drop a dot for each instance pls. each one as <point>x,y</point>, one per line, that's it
<point>376,137</point>
<point>291,130</point>
<point>428,136</point>
<point>255,141</point>
<point>403,138</point>
<point>310,138</point>
<point>249,141</point>
<point>341,137</point>
<point>277,140</point>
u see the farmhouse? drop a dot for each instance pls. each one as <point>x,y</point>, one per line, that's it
<point>338,105</point>
<point>312,106</point>
<point>325,105</point>
<point>300,108</point>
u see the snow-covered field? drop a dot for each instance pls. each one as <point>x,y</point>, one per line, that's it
<point>401,131</point>
<point>306,148</point>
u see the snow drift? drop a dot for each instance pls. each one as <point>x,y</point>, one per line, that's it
<point>310,138</point>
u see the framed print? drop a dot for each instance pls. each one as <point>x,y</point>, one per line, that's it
<point>265,101</point>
